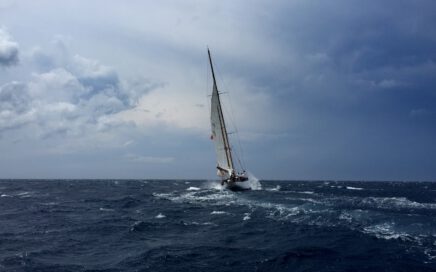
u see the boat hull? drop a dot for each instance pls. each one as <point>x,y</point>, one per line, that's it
<point>236,187</point>
<point>236,183</point>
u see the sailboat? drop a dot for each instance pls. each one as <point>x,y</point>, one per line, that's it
<point>225,166</point>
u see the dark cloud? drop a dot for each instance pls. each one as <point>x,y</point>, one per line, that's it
<point>346,41</point>
<point>357,83</point>
<point>359,56</point>
<point>8,49</point>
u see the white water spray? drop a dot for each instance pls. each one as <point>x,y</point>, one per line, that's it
<point>253,182</point>
<point>212,185</point>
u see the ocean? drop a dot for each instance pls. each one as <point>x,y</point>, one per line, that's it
<point>194,225</point>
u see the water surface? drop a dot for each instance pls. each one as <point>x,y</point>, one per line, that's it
<point>186,225</point>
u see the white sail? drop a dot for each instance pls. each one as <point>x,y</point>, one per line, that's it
<point>219,132</point>
<point>229,176</point>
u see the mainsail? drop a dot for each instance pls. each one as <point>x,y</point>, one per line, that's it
<point>219,132</point>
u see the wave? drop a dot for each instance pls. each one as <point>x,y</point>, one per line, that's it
<point>25,194</point>
<point>387,231</point>
<point>218,212</point>
<point>199,224</point>
<point>394,203</point>
<point>192,188</point>
<point>274,189</point>
<point>253,182</point>
<point>215,185</point>
<point>366,215</point>
<point>370,202</point>
<point>221,197</point>
<point>353,188</point>
<point>106,209</point>
<point>160,215</point>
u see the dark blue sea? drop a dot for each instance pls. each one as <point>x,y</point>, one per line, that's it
<point>186,225</point>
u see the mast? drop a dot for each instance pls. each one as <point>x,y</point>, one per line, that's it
<point>221,118</point>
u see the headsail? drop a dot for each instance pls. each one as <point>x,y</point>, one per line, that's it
<point>219,131</point>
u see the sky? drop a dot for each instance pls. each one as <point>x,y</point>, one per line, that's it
<point>317,90</point>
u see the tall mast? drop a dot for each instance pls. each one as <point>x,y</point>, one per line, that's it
<point>221,117</point>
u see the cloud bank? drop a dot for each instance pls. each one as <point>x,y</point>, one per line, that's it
<point>70,96</point>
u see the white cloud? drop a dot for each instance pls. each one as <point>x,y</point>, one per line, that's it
<point>8,49</point>
<point>72,97</point>
<point>56,85</point>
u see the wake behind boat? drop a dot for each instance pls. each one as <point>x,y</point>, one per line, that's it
<point>230,177</point>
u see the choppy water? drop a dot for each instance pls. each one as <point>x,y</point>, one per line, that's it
<point>166,225</point>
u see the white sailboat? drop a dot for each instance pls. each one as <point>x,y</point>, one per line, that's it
<point>225,166</point>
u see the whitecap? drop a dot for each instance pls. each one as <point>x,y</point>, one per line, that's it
<point>192,188</point>
<point>200,224</point>
<point>430,253</point>
<point>24,194</point>
<point>246,216</point>
<point>106,210</point>
<point>5,195</point>
<point>396,202</point>
<point>386,231</point>
<point>353,188</point>
<point>210,197</point>
<point>346,217</point>
<point>49,203</point>
<point>277,188</point>
<point>159,216</point>
<point>218,212</point>
<point>215,185</point>
<point>310,200</point>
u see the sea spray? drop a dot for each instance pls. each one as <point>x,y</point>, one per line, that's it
<point>253,182</point>
<point>213,184</point>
